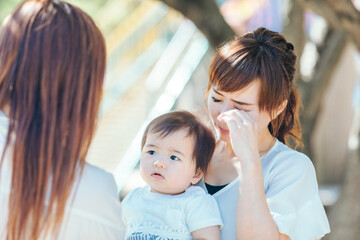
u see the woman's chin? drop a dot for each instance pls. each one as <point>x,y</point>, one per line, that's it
<point>224,137</point>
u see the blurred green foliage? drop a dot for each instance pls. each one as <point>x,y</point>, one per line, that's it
<point>6,7</point>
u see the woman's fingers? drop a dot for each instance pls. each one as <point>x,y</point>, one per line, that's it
<point>242,131</point>
<point>241,118</point>
<point>233,131</point>
<point>230,122</point>
<point>246,119</point>
<point>233,116</point>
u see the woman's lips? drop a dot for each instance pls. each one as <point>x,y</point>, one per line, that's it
<point>157,175</point>
<point>223,131</point>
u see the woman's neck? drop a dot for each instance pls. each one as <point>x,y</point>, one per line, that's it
<point>265,141</point>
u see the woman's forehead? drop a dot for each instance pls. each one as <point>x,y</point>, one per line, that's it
<point>249,93</point>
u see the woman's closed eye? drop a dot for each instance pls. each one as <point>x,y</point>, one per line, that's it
<point>175,158</point>
<point>241,109</point>
<point>215,99</point>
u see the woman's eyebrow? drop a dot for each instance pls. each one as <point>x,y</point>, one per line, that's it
<point>242,103</point>
<point>238,102</point>
<point>217,91</point>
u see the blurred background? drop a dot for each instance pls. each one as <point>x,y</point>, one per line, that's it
<point>158,58</point>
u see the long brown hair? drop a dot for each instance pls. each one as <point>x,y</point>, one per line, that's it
<point>267,56</point>
<point>52,64</point>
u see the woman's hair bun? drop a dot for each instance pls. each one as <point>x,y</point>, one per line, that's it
<point>289,46</point>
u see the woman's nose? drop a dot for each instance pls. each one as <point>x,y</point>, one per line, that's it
<point>159,164</point>
<point>226,107</point>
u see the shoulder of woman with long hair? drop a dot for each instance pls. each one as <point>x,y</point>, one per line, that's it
<point>52,66</point>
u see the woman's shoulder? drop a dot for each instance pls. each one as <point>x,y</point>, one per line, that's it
<point>284,161</point>
<point>285,166</point>
<point>91,171</point>
<point>94,206</point>
<point>95,197</point>
<point>96,180</point>
<point>95,191</point>
<point>282,155</point>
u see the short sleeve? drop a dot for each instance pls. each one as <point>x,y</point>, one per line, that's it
<point>202,211</point>
<point>126,204</point>
<point>293,199</point>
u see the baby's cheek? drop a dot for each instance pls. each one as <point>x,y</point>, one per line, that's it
<point>143,168</point>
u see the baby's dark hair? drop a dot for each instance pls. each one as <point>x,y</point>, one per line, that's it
<point>176,120</point>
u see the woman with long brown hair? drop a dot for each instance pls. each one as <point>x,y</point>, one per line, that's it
<point>264,189</point>
<point>52,64</point>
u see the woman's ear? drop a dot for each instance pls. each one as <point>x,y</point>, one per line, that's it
<point>280,109</point>
<point>196,178</point>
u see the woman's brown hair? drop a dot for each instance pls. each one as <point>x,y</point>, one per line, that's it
<point>267,56</point>
<point>52,64</point>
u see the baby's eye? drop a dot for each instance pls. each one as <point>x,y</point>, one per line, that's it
<point>151,152</point>
<point>175,158</point>
<point>215,100</point>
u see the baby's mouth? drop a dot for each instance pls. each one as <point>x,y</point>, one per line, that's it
<point>157,175</point>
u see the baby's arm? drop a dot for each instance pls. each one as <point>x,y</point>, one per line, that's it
<point>203,217</point>
<point>207,233</point>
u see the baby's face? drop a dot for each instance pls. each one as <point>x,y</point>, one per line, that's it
<point>167,163</point>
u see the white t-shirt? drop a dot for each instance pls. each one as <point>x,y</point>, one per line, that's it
<point>95,212</point>
<point>291,193</point>
<point>149,215</point>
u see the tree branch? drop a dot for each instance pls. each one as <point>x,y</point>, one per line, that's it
<point>345,215</point>
<point>340,14</point>
<point>294,31</point>
<point>210,22</point>
<point>313,92</point>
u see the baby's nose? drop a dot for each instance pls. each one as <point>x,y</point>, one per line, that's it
<point>160,164</point>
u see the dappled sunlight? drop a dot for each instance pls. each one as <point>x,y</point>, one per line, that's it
<point>308,60</point>
<point>158,60</point>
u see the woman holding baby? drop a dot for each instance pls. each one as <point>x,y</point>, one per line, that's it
<point>264,189</point>
<point>52,64</point>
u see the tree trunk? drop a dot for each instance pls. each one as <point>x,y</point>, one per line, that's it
<point>340,14</point>
<point>345,215</point>
<point>313,92</point>
<point>294,31</point>
<point>206,16</point>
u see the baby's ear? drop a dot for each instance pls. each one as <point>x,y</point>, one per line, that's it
<point>196,178</point>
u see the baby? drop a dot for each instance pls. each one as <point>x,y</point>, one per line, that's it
<point>176,150</point>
